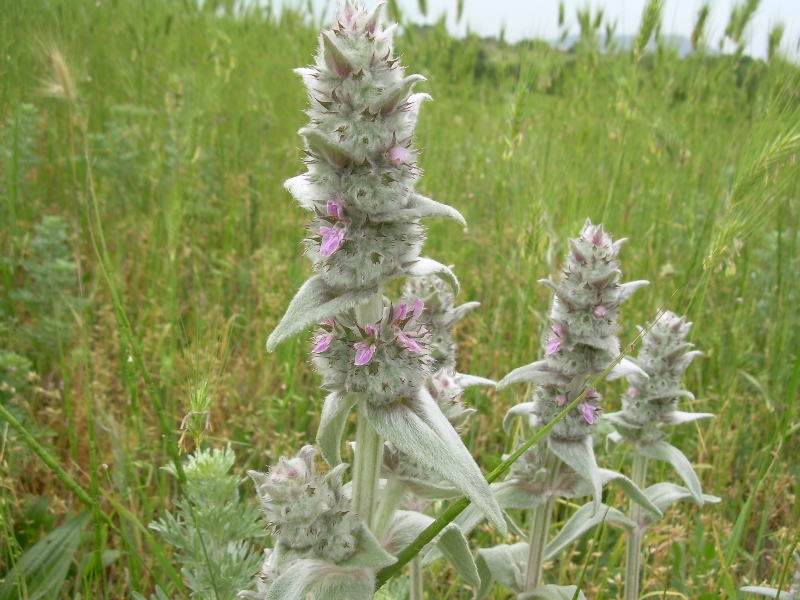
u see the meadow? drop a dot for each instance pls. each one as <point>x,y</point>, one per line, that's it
<point>168,131</point>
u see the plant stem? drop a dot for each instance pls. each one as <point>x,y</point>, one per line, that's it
<point>392,497</point>
<point>540,528</point>
<point>369,444</point>
<point>633,557</point>
<point>415,574</point>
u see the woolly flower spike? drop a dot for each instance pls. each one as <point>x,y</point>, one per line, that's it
<point>361,164</point>
<point>652,401</point>
<point>583,341</point>
<point>385,361</point>
<point>441,313</point>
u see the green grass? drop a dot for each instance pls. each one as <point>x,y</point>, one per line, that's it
<point>191,124</point>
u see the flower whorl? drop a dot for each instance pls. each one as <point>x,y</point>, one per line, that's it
<point>308,511</point>
<point>361,165</point>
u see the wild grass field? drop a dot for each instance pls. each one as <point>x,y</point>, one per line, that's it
<point>168,131</point>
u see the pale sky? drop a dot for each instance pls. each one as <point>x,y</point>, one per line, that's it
<point>539,18</point>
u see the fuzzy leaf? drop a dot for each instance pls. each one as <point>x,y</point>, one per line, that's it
<point>553,592</point>
<point>334,58</point>
<point>42,569</point>
<point>335,411</point>
<point>624,368</point>
<point>677,417</point>
<point>631,490</point>
<point>664,451</point>
<point>399,95</point>
<point>370,555</point>
<point>466,381</point>
<point>420,207</point>
<point>504,563</point>
<point>582,521</point>
<point>460,311</point>
<point>427,266</point>
<point>514,495</point>
<point>765,591</point>
<point>320,579</point>
<point>519,410</point>
<point>418,428</point>
<point>579,455</point>
<point>314,302</point>
<point>534,372</point>
<point>626,289</point>
<point>455,549</point>
<point>322,147</point>
<point>303,190</point>
<point>663,495</point>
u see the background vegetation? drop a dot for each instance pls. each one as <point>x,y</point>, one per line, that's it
<point>188,119</point>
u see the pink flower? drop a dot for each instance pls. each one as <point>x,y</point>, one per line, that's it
<point>588,412</point>
<point>331,239</point>
<point>397,154</point>
<point>558,330</point>
<point>365,352</point>
<point>633,392</point>
<point>553,344</point>
<point>405,339</point>
<point>334,209</point>
<point>371,330</point>
<point>323,342</point>
<point>600,311</point>
<point>400,312</point>
<point>561,399</point>
<point>417,306</point>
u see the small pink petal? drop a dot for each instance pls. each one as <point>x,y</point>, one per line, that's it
<point>561,399</point>
<point>417,306</point>
<point>364,354</point>
<point>322,343</point>
<point>407,342</point>
<point>332,238</point>
<point>334,209</point>
<point>553,344</point>
<point>400,312</point>
<point>588,412</point>
<point>592,394</point>
<point>633,392</point>
<point>397,154</point>
<point>600,311</point>
<point>329,321</point>
<point>371,330</point>
<point>558,330</point>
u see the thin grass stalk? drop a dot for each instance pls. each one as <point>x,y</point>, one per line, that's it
<point>540,529</point>
<point>633,550</point>
<point>415,575</point>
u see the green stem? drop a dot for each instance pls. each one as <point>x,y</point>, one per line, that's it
<point>633,556</point>
<point>540,528</point>
<point>392,497</point>
<point>369,444</point>
<point>415,575</point>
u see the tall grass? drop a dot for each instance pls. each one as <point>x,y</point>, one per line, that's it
<point>190,120</point>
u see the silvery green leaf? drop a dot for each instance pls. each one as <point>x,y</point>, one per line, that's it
<point>765,591</point>
<point>520,410</point>
<point>453,545</point>
<point>504,563</point>
<point>398,95</point>
<point>320,579</point>
<point>314,302</point>
<point>466,381</point>
<point>677,417</point>
<point>463,309</point>
<point>516,495</point>
<point>582,521</point>
<point>626,289</point>
<point>322,147</point>
<point>370,555</point>
<point>303,190</point>
<point>420,207</point>
<point>533,372</point>
<point>664,495</point>
<point>335,58</point>
<point>335,411</point>
<point>579,455</point>
<point>624,368</point>
<point>553,592</point>
<point>664,451</point>
<point>618,418</point>
<point>430,490</point>
<point>428,266</point>
<point>418,428</point>
<point>631,490</point>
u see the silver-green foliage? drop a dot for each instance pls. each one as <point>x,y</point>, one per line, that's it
<point>211,527</point>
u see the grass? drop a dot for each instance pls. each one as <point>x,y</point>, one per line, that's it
<point>191,123</point>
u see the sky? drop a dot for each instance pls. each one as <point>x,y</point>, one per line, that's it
<point>539,18</point>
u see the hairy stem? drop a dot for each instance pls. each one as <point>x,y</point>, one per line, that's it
<point>392,497</point>
<point>540,528</point>
<point>633,556</point>
<point>369,444</point>
<point>415,574</point>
